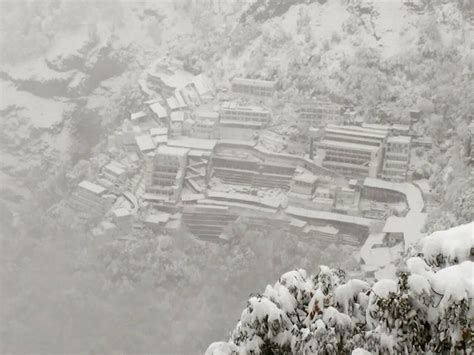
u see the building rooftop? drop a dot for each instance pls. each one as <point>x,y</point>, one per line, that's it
<point>115,168</point>
<point>206,114</point>
<point>345,145</point>
<point>307,178</point>
<point>121,212</point>
<point>158,218</point>
<point>172,103</point>
<point>328,216</point>
<point>145,142</point>
<point>90,186</point>
<point>356,131</point>
<point>399,139</point>
<point>254,82</point>
<point>177,116</point>
<point>162,131</point>
<point>234,106</point>
<point>175,151</point>
<point>137,115</point>
<point>203,84</point>
<point>326,229</point>
<point>193,143</point>
<point>159,110</point>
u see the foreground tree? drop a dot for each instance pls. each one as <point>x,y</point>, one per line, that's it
<point>427,309</point>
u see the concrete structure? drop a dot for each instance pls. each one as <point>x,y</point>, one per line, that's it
<point>353,150</point>
<point>304,184</point>
<point>207,221</point>
<point>397,158</point>
<point>324,198</point>
<point>145,143</point>
<point>317,113</point>
<point>115,172</point>
<point>177,119</point>
<point>122,218</point>
<point>248,167</point>
<point>241,122</point>
<point>165,173</point>
<point>90,201</point>
<point>206,129</point>
<point>254,87</point>
<point>158,111</point>
<point>231,112</point>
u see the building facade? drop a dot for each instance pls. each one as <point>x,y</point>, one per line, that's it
<point>396,159</point>
<point>254,87</point>
<point>89,201</point>
<point>353,151</point>
<point>165,173</point>
<point>317,113</point>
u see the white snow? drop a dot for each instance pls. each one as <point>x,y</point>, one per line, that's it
<point>454,243</point>
<point>221,348</point>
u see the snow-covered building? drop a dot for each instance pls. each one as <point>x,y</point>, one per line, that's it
<point>304,184</point>
<point>90,200</point>
<point>165,173</point>
<point>396,158</point>
<point>318,113</point>
<point>145,143</point>
<point>122,218</point>
<point>158,111</point>
<point>255,87</point>
<point>206,129</point>
<point>353,150</point>
<point>207,221</point>
<point>235,118</point>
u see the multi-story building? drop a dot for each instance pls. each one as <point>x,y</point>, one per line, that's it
<point>165,173</point>
<point>206,129</point>
<point>397,158</point>
<point>254,87</point>
<point>317,113</point>
<point>90,201</point>
<point>237,121</point>
<point>304,184</point>
<point>207,221</point>
<point>352,150</point>
<point>231,111</point>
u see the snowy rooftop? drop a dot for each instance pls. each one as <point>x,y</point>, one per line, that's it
<point>145,143</point>
<point>356,131</point>
<point>172,103</point>
<point>137,115</point>
<point>203,84</point>
<point>194,143</point>
<point>234,106</point>
<point>399,139</point>
<point>115,168</point>
<point>206,114</point>
<point>159,131</point>
<point>121,212</point>
<point>177,116</point>
<point>353,146</point>
<point>175,151</point>
<point>254,82</point>
<point>306,178</point>
<point>159,110</point>
<point>90,186</point>
<point>158,218</point>
<point>328,216</point>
